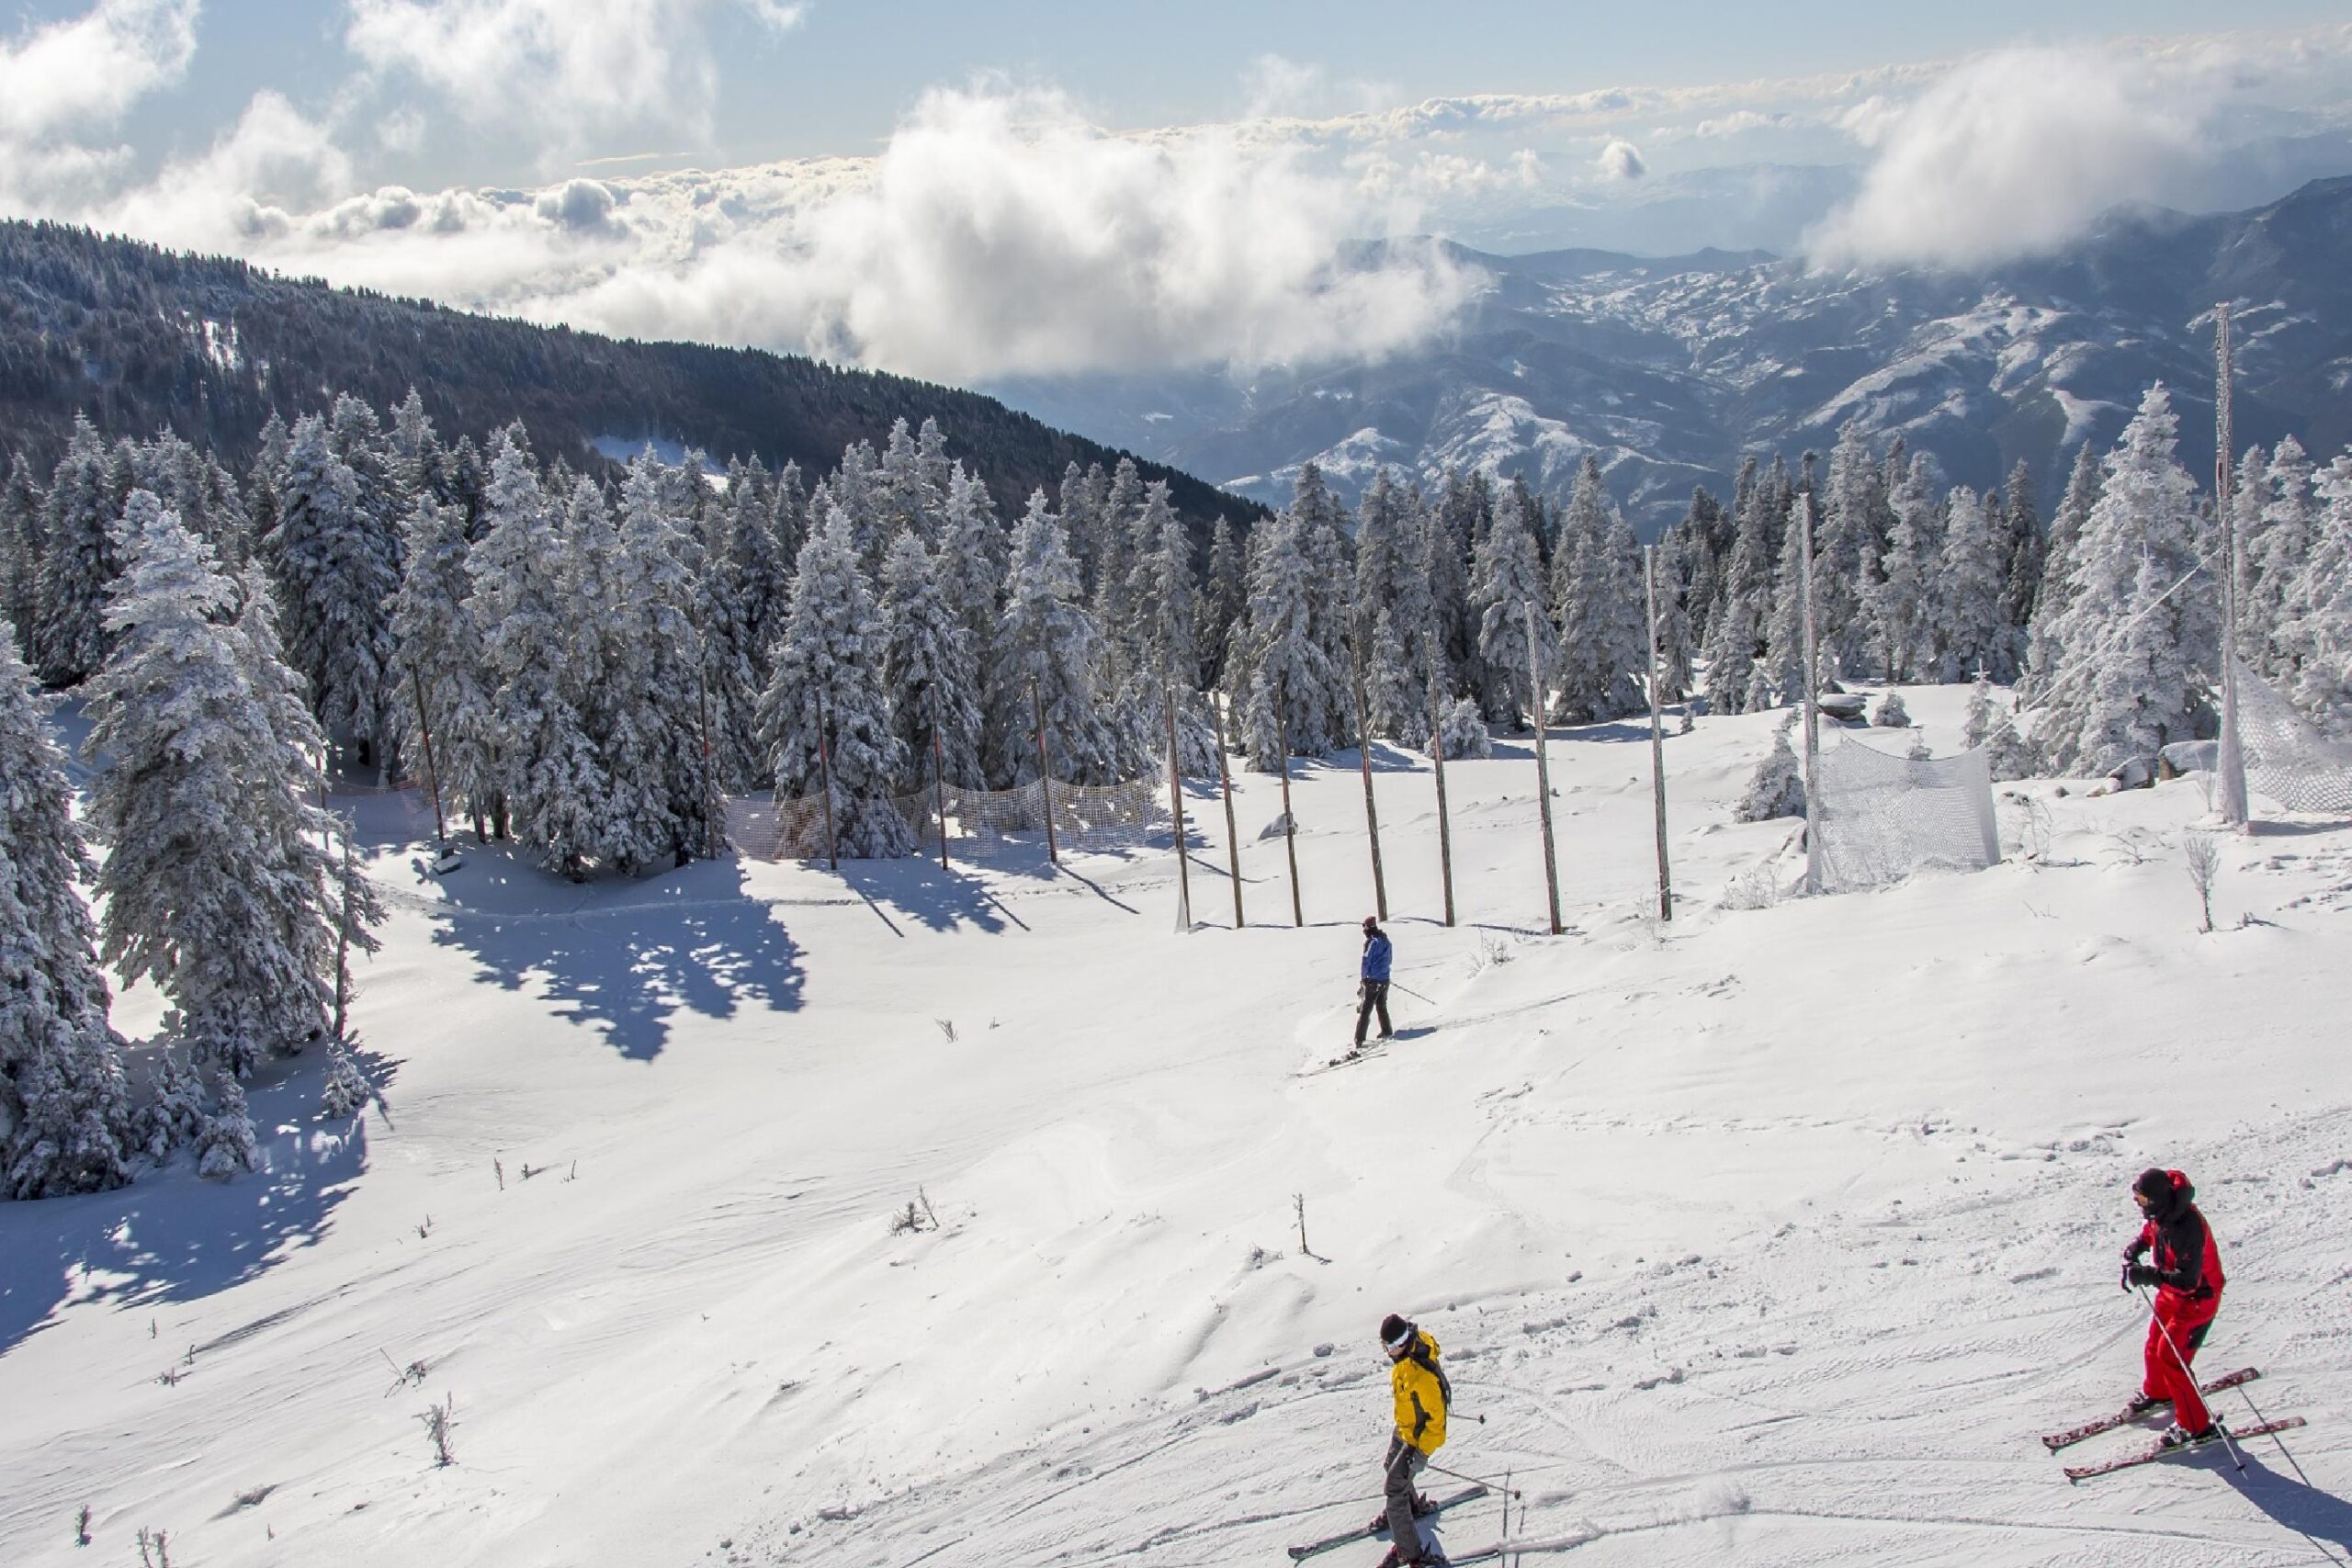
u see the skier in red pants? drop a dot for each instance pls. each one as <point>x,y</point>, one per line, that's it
<point>2186,1269</point>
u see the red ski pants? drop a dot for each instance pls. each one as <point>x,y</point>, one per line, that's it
<point>2175,1332</point>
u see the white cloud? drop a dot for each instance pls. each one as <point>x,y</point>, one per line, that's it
<point>89,68</point>
<point>1621,160</point>
<point>2014,154</point>
<point>558,70</point>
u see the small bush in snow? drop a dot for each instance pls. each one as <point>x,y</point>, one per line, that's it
<point>1464,732</point>
<point>346,1092</point>
<point>175,1113</point>
<point>1777,787</point>
<point>2204,855</point>
<point>1891,713</point>
<point>224,1144</point>
<point>441,1420</point>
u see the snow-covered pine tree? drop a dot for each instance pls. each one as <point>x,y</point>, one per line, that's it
<point>625,824</point>
<point>660,593</point>
<point>2134,624</point>
<point>727,698</point>
<point>1605,626</point>
<point>334,567</point>
<point>758,573</point>
<point>2286,524</point>
<point>788,518</point>
<point>929,674</point>
<point>1115,560</point>
<point>2044,655</point>
<point>1703,538</point>
<point>1397,697</point>
<point>1777,786</point>
<point>437,693</point>
<point>2317,631</point>
<point>824,713</point>
<point>1780,674</point>
<point>1386,549</point>
<point>552,785</point>
<point>1506,585</point>
<point>214,884</point>
<point>79,561</point>
<point>1458,524</point>
<point>2024,553</point>
<point>1737,630</point>
<point>1226,598</point>
<point>1896,595</point>
<point>1326,720</point>
<point>1674,635</point>
<point>1891,713</point>
<point>1965,617</point>
<point>1284,657</point>
<point>1049,651</point>
<point>64,1113</point>
<point>20,549</point>
<point>1844,540</point>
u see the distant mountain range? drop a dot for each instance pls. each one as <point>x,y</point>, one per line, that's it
<point>1670,369</point>
<point>139,338</point>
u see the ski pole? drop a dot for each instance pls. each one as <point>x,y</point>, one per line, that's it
<point>1487,1482</point>
<point>1410,992</point>
<point>2182,1362</point>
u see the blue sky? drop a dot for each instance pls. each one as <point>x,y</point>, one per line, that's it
<point>967,191</point>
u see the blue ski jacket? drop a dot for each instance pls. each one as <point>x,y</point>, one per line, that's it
<point>1376,956</point>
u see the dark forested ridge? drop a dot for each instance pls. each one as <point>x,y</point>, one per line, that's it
<point>137,338</point>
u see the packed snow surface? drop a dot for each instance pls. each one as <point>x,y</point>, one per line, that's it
<point>1772,1235</point>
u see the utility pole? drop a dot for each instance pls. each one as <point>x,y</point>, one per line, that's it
<point>1045,779</point>
<point>1657,739</point>
<point>1437,756</point>
<point>1290,823</point>
<point>1363,761</point>
<point>2230,796</point>
<point>1232,833</point>
<point>1812,707</point>
<point>1543,767</point>
<point>432,773</point>
<point>1176,816</point>
<point>825,773</point>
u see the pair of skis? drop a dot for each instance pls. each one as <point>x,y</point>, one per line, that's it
<point>2054,1442</point>
<point>1371,1532</point>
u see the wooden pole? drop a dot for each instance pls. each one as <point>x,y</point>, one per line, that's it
<point>1044,778</point>
<point>1437,756</point>
<point>1657,737</point>
<point>2230,796</point>
<point>938,779</point>
<point>432,773</point>
<point>1543,767</point>
<point>1363,761</point>
<point>1176,816</point>
<point>1811,707</point>
<point>825,775</point>
<point>1290,823</point>
<point>702,693</point>
<point>343,947</point>
<point>1232,833</point>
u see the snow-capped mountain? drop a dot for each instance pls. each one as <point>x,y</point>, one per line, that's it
<point>1671,369</point>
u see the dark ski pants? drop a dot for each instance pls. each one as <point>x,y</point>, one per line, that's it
<point>1405,1464</point>
<point>2182,1322</point>
<point>1375,995</point>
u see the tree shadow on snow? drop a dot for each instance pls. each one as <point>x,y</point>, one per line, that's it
<point>626,957</point>
<point>2301,1507</point>
<point>172,1237</point>
<point>942,900</point>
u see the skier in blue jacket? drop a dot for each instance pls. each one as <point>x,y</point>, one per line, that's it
<point>1374,990</point>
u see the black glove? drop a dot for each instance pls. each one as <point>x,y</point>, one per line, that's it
<point>2126,1281</point>
<point>2139,1274</point>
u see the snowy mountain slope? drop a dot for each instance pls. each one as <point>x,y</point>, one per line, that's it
<point>1670,369</point>
<point>1781,1229</point>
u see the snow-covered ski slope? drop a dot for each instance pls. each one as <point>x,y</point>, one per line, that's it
<point>1776,1236</point>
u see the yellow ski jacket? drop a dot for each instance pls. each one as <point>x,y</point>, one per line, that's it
<point>1422,1395</point>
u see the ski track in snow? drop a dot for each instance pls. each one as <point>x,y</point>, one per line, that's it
<point>1775,1236</point>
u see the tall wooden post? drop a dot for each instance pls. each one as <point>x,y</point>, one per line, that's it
<point>938,779</point>
<point>1657,737</point>
<point>342,946</point>
<point>2230,793</point>
<point>825,775</point>
<point>1290,823</point>
<point>1812,706</point>
<point>1437,756</point>
<point>1543,767</point>
<point>1232,833</point>
<point>432,773</point>
<point>1363,761</point>
<point>1176,816</point>
<point>1045,777</point>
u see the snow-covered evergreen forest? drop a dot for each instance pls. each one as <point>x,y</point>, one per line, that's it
<point>588,663</point>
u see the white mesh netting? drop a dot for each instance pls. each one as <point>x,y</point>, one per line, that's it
<point>1882,817</point>
<point>2286,759</point>
<point>1088,818</point>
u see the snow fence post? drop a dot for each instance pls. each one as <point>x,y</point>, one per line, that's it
<point>1437,757</point>
<point>1363,761</point>
<point>2229,798</point>
<point>1543,767</point>
<point>1812,707</point>
<point>1657,755</point>
<point>1225,787</point>
<point>1176,816</point>
<point>1045,781</point>
<point>1290,823</point>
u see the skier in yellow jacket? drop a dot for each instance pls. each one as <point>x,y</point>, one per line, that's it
<point>1422,1394</point>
